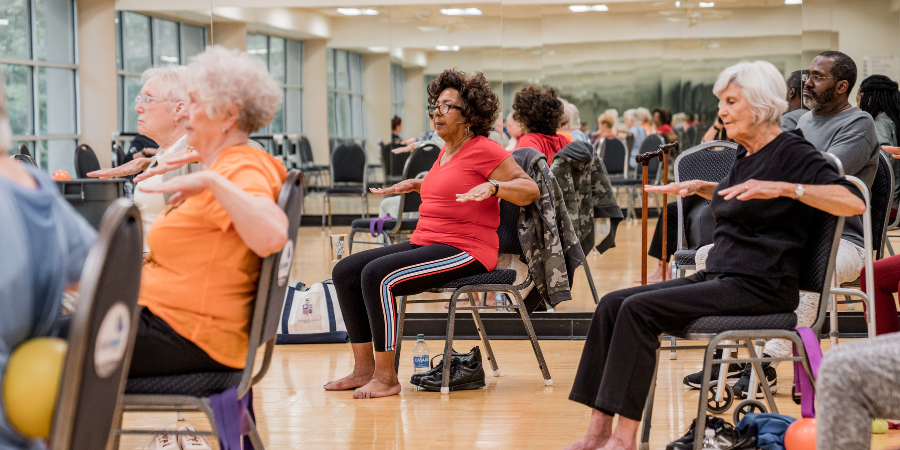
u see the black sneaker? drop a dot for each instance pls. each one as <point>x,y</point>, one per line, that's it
<point>743,385</point>
<point>455,357</point>
<point>725,434</point>
<point>734,372</point>
<point>463,376</point>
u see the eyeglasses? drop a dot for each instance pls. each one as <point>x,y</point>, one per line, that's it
<point>444,109</point>
<point>146,100</point>
<point>816,78</point>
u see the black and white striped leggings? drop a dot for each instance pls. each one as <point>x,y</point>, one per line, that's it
<point>367,283</point>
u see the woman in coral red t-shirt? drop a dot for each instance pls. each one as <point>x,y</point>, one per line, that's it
<point>456,235</point>
<point>540,111</point>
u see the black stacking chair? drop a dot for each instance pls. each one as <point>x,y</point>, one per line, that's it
<point>191,392</point>
<point>85,161</point>
<point>875,224</point>
<point>23,158</point>
<point>614,152</point>
<point>690,136</point>
<point>348,178</point>
<point>90,389</point>
<point>118,155</point>
<point>629,142</point>
<point>313,173</point>
<point>23,150</point>
<point>499,280</point>
<point>730,332</point>
<point>420,162</point>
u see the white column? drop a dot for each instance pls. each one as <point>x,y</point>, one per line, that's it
<point>315,98</point>
<point>414,102</point>
<point>98,86</point>
<point>377,92</point>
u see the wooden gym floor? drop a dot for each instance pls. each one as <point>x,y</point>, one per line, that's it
<point>514,411</point>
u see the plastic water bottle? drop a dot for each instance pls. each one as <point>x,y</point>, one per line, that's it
<point>710,442</point>
<point>420,355</point>
<point>129,189</point>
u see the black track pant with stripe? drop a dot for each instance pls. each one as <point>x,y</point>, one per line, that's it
<point>367,283</point>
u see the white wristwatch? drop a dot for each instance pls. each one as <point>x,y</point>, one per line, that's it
<point>798,192</point>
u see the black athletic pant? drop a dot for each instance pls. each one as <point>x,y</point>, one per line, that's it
<point>619,355</point>
<point>158,349</point>
<point>367,282</point>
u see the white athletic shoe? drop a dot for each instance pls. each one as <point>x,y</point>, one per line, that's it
<point>192,442</point>
<point>164,442</point>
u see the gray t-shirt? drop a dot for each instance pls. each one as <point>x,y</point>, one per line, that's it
<point>849,135</point>
<point>887,135</point>
<point>789,119</point>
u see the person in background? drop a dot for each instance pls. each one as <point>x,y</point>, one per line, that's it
<point>429,138</point>
<point>44,244</point>
<point>396,129</point>
<point>605,125</point>
<point>140,147</point>
<point>632,120</point>
<point>645,119</point>
<point>716,132</point>
<point>499,134</point>
<point>795,101</point>
<point>613,113</point>
<point>878,96</point>
<point>574,127</point>
<point>514,130</point>
<point>662,123</point>
<point>540,112</point>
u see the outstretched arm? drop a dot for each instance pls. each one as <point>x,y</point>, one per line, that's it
<point>831,198</point>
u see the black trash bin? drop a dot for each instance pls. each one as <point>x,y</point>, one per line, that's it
<point>91,197</point>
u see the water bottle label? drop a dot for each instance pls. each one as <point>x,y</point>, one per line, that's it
<point>420,361</point>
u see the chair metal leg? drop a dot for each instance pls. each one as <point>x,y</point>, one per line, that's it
<point>648,409</point>
<point>704,390</point>
<point>890,248</point>
<point>365,206</point>
<point>350,243</point>
<point>834,334</point>
<point>484,337</point>
<point>520,306</point>
<point>630,213</point>
<point>324,201</point>
<point>401,317</point>
<point>587,272</point>
<point>448,343</point>
<point>254,436</point>
<point>761,377</point>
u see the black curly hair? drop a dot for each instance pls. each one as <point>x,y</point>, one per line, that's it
<point>480,104</point>
<point>538,110</point>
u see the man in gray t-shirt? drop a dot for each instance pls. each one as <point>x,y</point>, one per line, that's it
<point>835,127</point>
<point>795,102</point>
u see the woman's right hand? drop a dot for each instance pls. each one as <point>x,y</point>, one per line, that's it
<point>894,151</point>
<point>684,189</point>
<point>402,187</point>
<point>130,168</point>
<point>169,164</point>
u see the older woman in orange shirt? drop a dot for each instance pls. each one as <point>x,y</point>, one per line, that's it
<point>199,279</point>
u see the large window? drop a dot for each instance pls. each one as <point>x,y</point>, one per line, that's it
<point>284,58</point>
<point>40,67</point>
<point>398,90</point>
<point>143,42</point>
<point>345,97</point>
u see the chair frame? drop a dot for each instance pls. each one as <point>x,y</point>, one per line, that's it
<point>261,306</point>
<point>732,339</point>
<point>623,180</point>
<point>326,200</point>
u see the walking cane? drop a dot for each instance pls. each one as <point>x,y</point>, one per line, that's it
<point>644,160</point>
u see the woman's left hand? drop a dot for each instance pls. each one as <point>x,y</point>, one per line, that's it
<point>755,189</point>
<point>894,151</point>
<point>185,185</point>
<point>477,193</point>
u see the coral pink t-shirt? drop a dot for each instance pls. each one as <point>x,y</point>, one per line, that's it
<point>470,226</point>
<point>544,143</point>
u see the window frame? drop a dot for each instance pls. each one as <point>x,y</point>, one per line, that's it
<point>286,85</point>
<point>333,94</point>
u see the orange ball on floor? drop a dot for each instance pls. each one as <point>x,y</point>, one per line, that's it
<point>801,435</point>
<point>60,175</point>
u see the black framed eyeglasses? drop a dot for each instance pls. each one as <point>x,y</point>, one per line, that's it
<point>444,109</point>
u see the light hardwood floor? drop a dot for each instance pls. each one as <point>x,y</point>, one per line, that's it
<point>514,411</point>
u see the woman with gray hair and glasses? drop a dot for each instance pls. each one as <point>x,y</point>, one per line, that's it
<point>762,208</point>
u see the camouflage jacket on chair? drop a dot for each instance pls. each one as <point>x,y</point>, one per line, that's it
<point>549,242</point>
<point>587,192</point>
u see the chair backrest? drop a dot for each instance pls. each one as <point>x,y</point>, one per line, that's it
<point>348,164</point>
<point>272,286</point>
<point>690,136</point>
<point>710,161</point>
<point>508,231</point>
<point>23,158</point>
<point>305,152</point>
<point>881,200</point>
<point>85,161</point>
<point>650,144</point>
<point>819,254</point>
<point>614,153</point>
<point>101,337</point>
<point>629,142</point>
<point>23,150</point>
<point>118,155</point>
<point>420,161</point>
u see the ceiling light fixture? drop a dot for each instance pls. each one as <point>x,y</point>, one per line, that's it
<point>461,12</point>
<point>586,8</point>
<point>379,49</point>
<point>793,2</point>
<point>678,4</point>
<point>707,4</point>
<point>447,48</point>
<point>357,12</point>
<point>4,21</point>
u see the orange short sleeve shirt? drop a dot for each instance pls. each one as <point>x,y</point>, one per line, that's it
<point>199,276</point>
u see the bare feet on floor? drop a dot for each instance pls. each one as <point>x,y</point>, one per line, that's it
<point>615,444</point>
<point>352,381</point>
<point>376,388</point>
<point>587,444</point>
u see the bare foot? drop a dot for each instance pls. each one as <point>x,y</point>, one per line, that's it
<point>587,444</point>
<point>377,388</point>
<point>616,444</point>
<point>352,381</point>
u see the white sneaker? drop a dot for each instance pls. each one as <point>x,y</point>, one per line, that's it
<point>192,442</point>
<point>164,442</point>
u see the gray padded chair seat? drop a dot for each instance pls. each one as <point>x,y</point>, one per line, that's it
<point>719,324</point>
<point>685,258</point>
<point>498,276</point>
<point>201,384</point>
<point>406,224</point>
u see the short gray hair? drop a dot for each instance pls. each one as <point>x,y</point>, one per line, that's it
<point>574,116</point>
<point>223,77</point>
<point>644,114</point>
<point>761,84</point>
<point>630,114</point>
<point>171,79</point>
<point>5,129</point>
